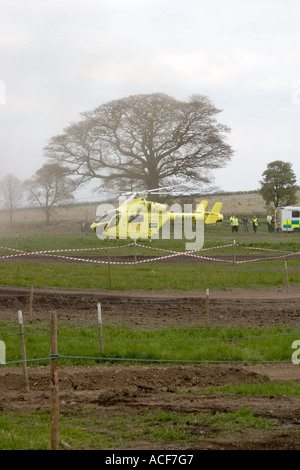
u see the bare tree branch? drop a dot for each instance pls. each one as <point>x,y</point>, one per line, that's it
<point>11,190</point>
<point>49,186</point>
<point>144,139</point>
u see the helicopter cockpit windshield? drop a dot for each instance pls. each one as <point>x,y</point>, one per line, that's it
<point>115,220</point>
<point>106,217</point>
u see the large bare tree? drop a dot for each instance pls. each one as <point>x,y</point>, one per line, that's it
<point>49,186</point>
<point>144,141</point>
<point>11,190</point>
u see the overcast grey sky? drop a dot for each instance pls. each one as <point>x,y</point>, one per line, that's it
<point>59,58</point>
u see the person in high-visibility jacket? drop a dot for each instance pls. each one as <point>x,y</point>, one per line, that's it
<point>231,220</point>
<point>234,222</point>
<point>254,223</point>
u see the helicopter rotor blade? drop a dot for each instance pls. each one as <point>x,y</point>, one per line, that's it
<point>147,191</point>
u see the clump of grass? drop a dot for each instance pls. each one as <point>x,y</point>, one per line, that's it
<point>291,389</point>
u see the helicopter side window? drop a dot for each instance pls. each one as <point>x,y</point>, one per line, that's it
<point>136,218</point>
<point>114,221</point>
<point>105,217</point>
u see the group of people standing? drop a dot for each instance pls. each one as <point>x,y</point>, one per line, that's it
<point>234,222</point>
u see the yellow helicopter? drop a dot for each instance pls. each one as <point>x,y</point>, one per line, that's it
<point>139,218</point>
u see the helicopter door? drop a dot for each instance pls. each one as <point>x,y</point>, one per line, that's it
<point>137,226</point>
<point>114,221</point>
<point>113,226</point>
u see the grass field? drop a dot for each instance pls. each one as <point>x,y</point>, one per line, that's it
<point>155,275</point>
<point>80,428</point>
<point>79,344</point>
<point>88,426</point>
<point>83,427</point>
<point>150,276</point>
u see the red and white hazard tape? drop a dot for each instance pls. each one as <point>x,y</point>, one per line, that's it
<point>173,254</point>
<point>45,252</point>
<point>157,258</point>
<point>265,249</point>
<point>286,255</point>
<point>184,252</point>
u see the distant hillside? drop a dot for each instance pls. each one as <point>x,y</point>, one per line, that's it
<point>238,203</point>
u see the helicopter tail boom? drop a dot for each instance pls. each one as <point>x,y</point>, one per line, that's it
<point>214,215</point>
<point>201,207</point>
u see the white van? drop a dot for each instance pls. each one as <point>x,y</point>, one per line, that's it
<point>287,219</point>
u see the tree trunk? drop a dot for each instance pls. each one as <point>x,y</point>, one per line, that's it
<point>47,216</point>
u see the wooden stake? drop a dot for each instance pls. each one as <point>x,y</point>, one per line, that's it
<point>109,272</point>
<point>23,350</point>
<point>100,327</point>
<point>2,352</point>
<point>31,304</point>
<point>207,307</point>
<point>54,401</point>
<point>286,276</point>
<point>234,250</point>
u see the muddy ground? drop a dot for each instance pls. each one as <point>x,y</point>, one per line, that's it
<point>160,387</point>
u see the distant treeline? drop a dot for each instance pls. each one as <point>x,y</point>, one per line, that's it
<point>233,193</point>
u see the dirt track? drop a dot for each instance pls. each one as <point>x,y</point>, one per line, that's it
<point>161,387</point>
<point>248,308</point>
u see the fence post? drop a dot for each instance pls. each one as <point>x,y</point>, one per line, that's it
<point>135,251</point>
<point>54,399</point>
<point>2,352</point>
<point>23,350</point>
<point>109,272</point>
<point>207,307</point>
<point>286,276</point>
<point>30,304</point>
<point>100,327</point>
<point>234,251</point>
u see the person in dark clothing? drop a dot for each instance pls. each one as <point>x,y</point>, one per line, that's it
<point>245,222</point>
